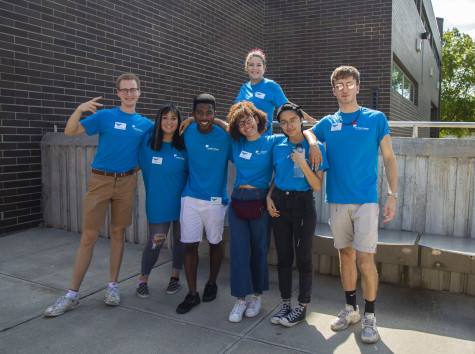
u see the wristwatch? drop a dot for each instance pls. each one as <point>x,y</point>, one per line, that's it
<point>392,195</point>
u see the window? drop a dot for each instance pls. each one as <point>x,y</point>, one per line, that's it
<point>402,84</point>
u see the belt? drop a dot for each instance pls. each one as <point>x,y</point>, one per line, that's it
<point>292,194</point>
<point>112,174</point>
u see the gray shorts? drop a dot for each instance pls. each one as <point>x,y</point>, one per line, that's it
<point>355,225</point>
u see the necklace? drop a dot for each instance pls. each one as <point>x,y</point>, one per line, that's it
<point>353,122</point>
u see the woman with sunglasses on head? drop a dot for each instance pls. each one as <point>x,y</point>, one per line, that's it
<point>164,163</point>
<point>291,205</point>
<point>264,93</point>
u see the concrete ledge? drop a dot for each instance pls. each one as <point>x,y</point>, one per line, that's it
<point>394,247</point>
<point>452,254</point>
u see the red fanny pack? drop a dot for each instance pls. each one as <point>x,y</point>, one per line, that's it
<point>248,209</point>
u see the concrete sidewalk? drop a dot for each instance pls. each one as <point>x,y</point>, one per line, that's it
<point>36,266</point>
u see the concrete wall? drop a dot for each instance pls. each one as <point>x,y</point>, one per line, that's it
<point>436,186</point>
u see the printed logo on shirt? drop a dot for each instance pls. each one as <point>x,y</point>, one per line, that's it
<point>120,126</point>
<point>260,95</point>
<point>215,200</point>
<point>157,160</point>
<point>359,128</point>
<point>336,127</point>
<point>211,148</point>
<point>178,157</point>
<point>261,152</point>
<point>245,155</point>
<point>137,129</point>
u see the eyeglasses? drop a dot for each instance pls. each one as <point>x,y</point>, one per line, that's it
<point>349,86</point>
<point>125,91</point>
<point>292,121</point>
<point>243,123</point>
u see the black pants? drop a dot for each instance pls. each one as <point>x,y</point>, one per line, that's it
<point>294,228</point>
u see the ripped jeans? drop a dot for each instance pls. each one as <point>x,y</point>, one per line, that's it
<point>156,237</point>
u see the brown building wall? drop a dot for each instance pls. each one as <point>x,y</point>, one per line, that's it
<point>57,54</point>
<point>407,27</point>
<point>306,40</point>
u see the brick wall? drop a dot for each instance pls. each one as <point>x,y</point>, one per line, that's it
<point>307,40</point>
<point>57,54</point>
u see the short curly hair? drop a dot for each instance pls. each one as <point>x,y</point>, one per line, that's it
<point>242,110</point>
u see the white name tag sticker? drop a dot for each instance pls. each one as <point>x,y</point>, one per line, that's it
<point>120,126</point>
<point>157,160</point>
<point>260,95</point>
<point>245,155</point>
<point>336,127</point>
<point>216,200</point>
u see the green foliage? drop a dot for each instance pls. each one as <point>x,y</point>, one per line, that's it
<point>458,82</point>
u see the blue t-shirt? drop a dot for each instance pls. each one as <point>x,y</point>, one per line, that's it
<point>165,173</point>
<point>208,156</point>
<point>253,160</point>
<point>120,135</point>
<point>284,166</point>
<point>266,95</point>
<point>353,154</point>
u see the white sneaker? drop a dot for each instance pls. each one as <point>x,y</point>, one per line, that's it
<point>238,309</point>
<point>61,305</point>
<point>112,296</point>
<point>346,317</point>
<point>253,306</point>
<point>369,333</point>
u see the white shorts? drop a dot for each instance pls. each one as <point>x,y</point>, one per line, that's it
<point>196,213</point>
<point>355,225</point>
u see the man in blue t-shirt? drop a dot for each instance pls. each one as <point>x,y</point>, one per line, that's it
<point>204,198</point>
<point>353,136</point>
<point>112,181</point>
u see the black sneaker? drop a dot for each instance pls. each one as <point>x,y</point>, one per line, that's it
<point>142,291</point>
<point>190,301</point>
<point>209,294</point>
<point>173,286</point>
<point>285,309</point>
<point>297,315</point>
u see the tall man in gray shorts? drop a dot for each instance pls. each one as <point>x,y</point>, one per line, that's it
<point>112,181</point>
<point>353,136</point>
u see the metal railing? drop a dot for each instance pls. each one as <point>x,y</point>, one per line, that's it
<point>414,124</point>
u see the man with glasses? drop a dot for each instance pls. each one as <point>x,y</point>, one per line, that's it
<point>353,136</point>
<point>112,181</point>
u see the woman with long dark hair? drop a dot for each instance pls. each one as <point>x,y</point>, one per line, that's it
<point>164,163</point>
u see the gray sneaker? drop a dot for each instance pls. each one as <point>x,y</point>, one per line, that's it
<point>61,305</point>
<point>112,296</point>
<point>173,286</point>
<point>346,317</point>
<point>285,309</point>
<point>369,333</point>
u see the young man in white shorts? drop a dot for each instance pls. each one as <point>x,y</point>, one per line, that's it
<point>353,136</point>
<point>204,199</point>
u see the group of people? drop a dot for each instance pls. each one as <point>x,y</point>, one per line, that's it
<point>184,167</point>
